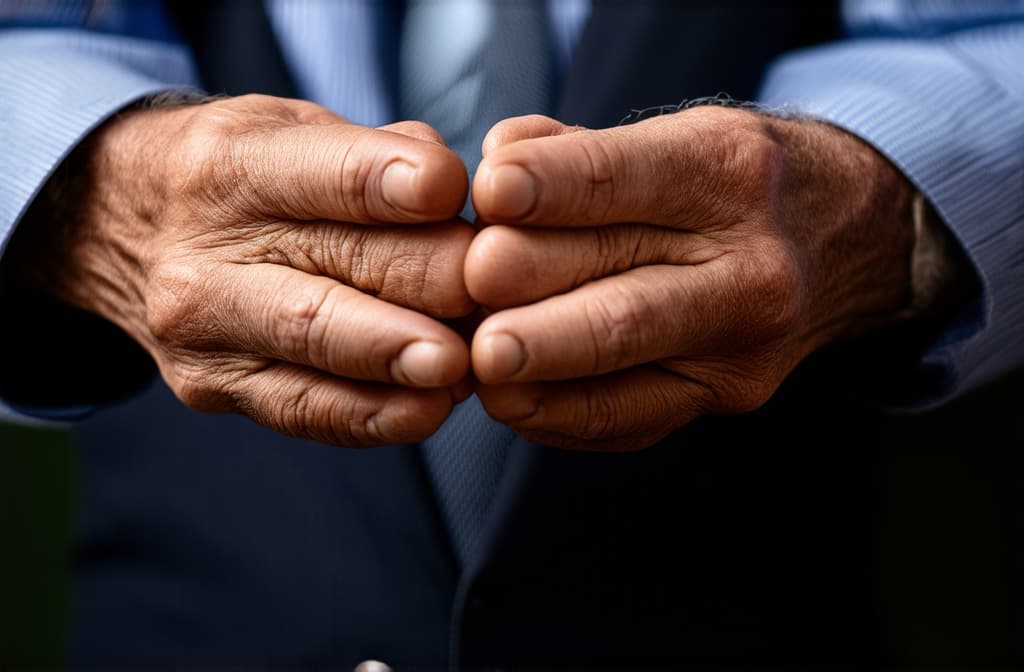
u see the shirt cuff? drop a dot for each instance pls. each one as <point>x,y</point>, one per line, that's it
<point>56,86</point>
<point>958,135</point>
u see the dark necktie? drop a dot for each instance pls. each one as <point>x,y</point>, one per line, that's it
<point>464,65</point>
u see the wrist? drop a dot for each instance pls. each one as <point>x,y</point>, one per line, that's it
<point>86,239</point>
<point>850,213</point>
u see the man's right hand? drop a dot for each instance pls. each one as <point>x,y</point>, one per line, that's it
<point>278,261</point>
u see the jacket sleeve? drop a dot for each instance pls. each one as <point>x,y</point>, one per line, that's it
<point>62,73</point>
<point>938,88</point>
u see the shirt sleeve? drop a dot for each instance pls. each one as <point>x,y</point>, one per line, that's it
<point>938,88</point>
<point>57,85</point>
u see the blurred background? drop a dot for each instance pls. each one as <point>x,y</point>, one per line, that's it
<point>950,536</point>
<point>37,483</point>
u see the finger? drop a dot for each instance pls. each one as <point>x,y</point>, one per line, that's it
<point>281,313</point>
<point>522,128</point>
<point>510,266</point>
<point>420,267</point>
<point>415,129</point>
<point>625,410</point>
<point>642,315</point>
<point>308,404</point>
<point>338,171</point>
<point>665,170</point>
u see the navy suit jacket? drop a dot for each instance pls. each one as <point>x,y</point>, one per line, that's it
<point>741,540</point>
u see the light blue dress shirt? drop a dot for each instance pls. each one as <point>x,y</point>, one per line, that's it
<point>935,85</point>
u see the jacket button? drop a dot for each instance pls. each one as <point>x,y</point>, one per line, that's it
<point>371,666</point>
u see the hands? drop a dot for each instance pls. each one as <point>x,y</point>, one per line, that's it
<point>277,261</point>
<point>645,275</point>
<point>280,262</point>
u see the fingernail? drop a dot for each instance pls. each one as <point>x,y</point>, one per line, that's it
<point>513,192</point>
<point>420,363</point>
<point>505,354</point>
<point>397,186</point>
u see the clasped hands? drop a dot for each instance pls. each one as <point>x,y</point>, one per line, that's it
<point>280,262</point>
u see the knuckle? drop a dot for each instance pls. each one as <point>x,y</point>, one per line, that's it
<point>600,160</point>
<point>226,156</point>
<point>196,396</point>
<point>614,323</point>
<point>404,275</point>
<point>378,265</point>
<point>297,414</point>
<point>427,277</point>
<point>737,385</point>
<point>755,161</point>
<point>606,244</point>
<point>344,251</point>
<point>594,418</point>
<point>745,166</point>
<point>746,393</point>
<point>354,166</point>
<point>200,391</point>
<point>437,281</point>
<point>175,309</point>
<point>365,429</point>
<point>208,169</point>
<point>316,411</point>
<point>776,292</point>
<point>300,322</point>
<point>251,101</point>
<point>358,421</point>
<point>616,248</point>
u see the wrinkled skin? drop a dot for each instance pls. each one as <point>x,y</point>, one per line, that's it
<point>642,276</point>
<point>280,262</point>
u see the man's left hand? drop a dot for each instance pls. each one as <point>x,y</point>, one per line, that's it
<point>642,276</point>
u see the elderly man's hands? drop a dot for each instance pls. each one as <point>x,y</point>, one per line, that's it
<point>645,275</point>
<point>278,261</point>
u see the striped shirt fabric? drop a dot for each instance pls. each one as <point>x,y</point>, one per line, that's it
<point>935,85</point>
<point>945,109</point>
